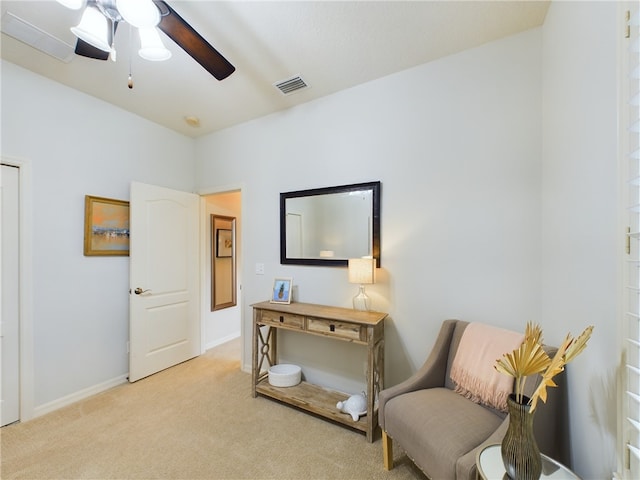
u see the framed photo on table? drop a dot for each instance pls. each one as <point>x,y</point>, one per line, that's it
<point>281,291</point>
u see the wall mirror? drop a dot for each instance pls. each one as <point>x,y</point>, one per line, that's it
<point>223,262</point>
<point>327,226</point>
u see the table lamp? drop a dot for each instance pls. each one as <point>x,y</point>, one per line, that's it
<point>361,272</point>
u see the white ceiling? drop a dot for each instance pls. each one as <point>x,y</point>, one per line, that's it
<point>332,45</point>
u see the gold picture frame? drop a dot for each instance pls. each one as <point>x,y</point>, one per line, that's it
<point>106,226</point>
<point>223,262</point>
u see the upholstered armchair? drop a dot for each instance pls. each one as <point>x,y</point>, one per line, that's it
<point>441,430</point>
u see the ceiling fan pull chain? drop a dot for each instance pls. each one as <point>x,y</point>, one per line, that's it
<point>130,80</point>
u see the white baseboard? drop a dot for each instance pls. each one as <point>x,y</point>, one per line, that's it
<point>101,387</point>
<point>220,341</point>
<point>77,396</point>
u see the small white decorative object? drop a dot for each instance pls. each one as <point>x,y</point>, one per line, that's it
<point>355,405</point>
<point>285,375</point>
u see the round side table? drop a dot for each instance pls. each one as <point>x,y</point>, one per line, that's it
<point>490,466</point>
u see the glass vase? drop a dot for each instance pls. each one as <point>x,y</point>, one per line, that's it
<point>520,453</point>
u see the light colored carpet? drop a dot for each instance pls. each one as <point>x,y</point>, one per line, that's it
<point>196,420</point>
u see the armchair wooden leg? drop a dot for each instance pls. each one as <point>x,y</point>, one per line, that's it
<point>387,450</point>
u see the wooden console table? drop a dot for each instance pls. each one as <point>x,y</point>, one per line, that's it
<point>361,328</point>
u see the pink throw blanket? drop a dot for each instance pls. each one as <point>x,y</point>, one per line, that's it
<point>473,366</point>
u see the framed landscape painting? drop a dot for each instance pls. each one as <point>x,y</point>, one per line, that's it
<point>106,226</point>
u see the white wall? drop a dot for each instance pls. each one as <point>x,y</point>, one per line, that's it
<point>78,145</point>
<point>580,234</point>
<point>456,144</point>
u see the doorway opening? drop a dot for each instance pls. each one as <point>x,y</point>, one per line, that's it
<point>10,335</point>
<point>224,325</point>
<point>16,348</point>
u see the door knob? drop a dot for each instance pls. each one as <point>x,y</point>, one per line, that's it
<point>139,291</point>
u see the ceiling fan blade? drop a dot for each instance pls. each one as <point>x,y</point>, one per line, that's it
<point>178,30</point>
<point>87,50</point>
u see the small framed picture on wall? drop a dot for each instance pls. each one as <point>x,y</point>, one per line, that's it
<point>224,243</point>
<point>281,291</point>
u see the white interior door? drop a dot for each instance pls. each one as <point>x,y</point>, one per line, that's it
<point>9,320</point>
<point>163,305</point>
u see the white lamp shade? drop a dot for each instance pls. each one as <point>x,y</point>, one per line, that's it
<point>93,29</point>
<point>139,13</point>
<point>73,4</point>
<point>361,270</point>
<point>151,46</point>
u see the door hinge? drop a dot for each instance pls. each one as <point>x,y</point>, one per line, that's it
<point>628,241</point>
<point>627,30</point>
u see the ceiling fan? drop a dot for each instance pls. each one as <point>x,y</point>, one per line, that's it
<point>100,20</point>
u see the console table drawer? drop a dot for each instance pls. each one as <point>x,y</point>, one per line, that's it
<point>333,328</point>
<point>282,319</point>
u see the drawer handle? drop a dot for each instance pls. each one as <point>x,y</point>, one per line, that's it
<point>281,319</point>
<point>332,328</point>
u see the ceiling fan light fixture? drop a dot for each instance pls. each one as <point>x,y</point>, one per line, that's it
<point>93,29</point>
<point>73,4</point>
<point>139,13</point>
<point>151,46</point>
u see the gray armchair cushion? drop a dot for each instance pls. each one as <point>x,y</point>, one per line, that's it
<point>427,439</point>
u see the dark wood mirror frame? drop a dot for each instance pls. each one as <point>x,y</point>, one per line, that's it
<point>375,189</point>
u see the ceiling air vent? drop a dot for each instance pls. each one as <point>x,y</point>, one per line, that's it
<point>291,85</point>
<point>33,36</point>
